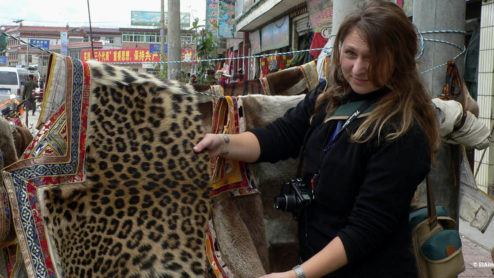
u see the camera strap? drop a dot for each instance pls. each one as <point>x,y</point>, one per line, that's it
<point>337,133</point>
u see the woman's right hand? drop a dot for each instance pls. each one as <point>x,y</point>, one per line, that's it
<point>213,143</point>
<point>242,147</point>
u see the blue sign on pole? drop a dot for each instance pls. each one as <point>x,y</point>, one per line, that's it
<point>156,48</point>
<point>3,60</point>
<point>45,44</point>
<point>64,47</point>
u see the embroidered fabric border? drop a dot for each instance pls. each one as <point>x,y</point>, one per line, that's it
<point>44,164</point>
<point>228,175</point>
<point>213,253</point>
<point>310,74</point>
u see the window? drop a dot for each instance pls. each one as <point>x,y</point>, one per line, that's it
<point>140,37</point>
<point>8,78</point>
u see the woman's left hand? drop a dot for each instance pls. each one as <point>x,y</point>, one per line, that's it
<point>286,274</point>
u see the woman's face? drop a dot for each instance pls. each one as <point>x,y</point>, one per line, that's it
<point>355,62</point>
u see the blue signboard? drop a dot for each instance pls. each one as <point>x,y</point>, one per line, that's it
<point>45,44</point>
<point>156,48</point>
<point>148,18</point>
<point>3,60</point>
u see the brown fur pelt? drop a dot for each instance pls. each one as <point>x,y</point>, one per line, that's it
<point>287,82</point>
<point>7,146</point>
<point>22,138</point>
<point>240,237</point>
<point>281,228</point>
<point>235,89</point>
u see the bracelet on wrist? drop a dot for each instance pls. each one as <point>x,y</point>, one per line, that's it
<point>299,271</point>
<point>225,138</point>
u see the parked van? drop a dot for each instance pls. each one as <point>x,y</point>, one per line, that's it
<point>11,82</point>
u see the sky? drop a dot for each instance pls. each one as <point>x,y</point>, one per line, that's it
<point>104,13</point>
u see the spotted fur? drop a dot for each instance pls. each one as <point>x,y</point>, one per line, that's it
<point>142,211</point>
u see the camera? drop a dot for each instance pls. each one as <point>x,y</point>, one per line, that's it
<point>295,195</point>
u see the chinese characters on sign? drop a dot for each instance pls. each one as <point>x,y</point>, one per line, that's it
<point>131,55</point>
<point>120,55</point>
<point>45,44</point>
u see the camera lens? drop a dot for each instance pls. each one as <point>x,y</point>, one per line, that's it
<point>285,202</point>
<point>280,202</point>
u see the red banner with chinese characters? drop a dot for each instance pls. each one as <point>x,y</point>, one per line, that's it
<point>130,55</point>
<point>120,55</point>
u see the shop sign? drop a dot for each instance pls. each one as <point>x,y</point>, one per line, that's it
<point>64,39</point>
<point>155,48</point>
<point>320,14</point>
<point>226,19</point>
<point>255,42</point>
<point>276,35</point>
<point>151,18</point>
<point>326,32</point>
<point>212,10</point>
<point>131,55</point>
<point>44,44</point>
<point>120,55</point>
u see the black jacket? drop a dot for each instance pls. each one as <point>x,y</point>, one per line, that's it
<point>364,190</point>
<point>27,92</point>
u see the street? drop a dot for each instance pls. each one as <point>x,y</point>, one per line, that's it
<point>478,261</point>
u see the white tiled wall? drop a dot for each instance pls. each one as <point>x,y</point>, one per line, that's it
<point>485,98</point>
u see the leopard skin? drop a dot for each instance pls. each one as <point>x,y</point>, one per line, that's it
<point>142,210</point>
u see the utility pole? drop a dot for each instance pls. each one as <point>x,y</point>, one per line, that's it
<point>162,36</point>
<point>341,8</point>
<point>441,15</point>
<point>174,45</point>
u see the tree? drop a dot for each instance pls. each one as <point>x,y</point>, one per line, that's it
<point>3,44</point>
<point>206,48</point>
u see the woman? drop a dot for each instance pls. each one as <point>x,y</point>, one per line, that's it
<point>364,170</point>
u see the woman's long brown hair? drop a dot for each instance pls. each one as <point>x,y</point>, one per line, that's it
<point>392,41</point>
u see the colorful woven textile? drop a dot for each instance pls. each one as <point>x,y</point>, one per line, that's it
<point>218,266</point>
<point>54,95</point>
<point>6,229</point>
<point>55,156</point>
<point>228,175</point>
<point>310,74</point>
<point>217,90</point>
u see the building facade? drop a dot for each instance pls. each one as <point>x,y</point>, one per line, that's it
<point>275,26</point>
<point>76,41</point>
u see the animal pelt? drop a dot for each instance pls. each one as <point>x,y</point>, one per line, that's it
<point>142,208</point>
<point>281,228</point>
<point>261,109</point>
<point>8,156</point>
<point>234,236</point>
<point>287,82</point>
<point>22,139</point>
<point>7,146</point>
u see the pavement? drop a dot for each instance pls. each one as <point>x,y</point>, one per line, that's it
<point>478,261</point>
<point>476,248</point>
<point>32,120</point>
<point>476,245</point>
